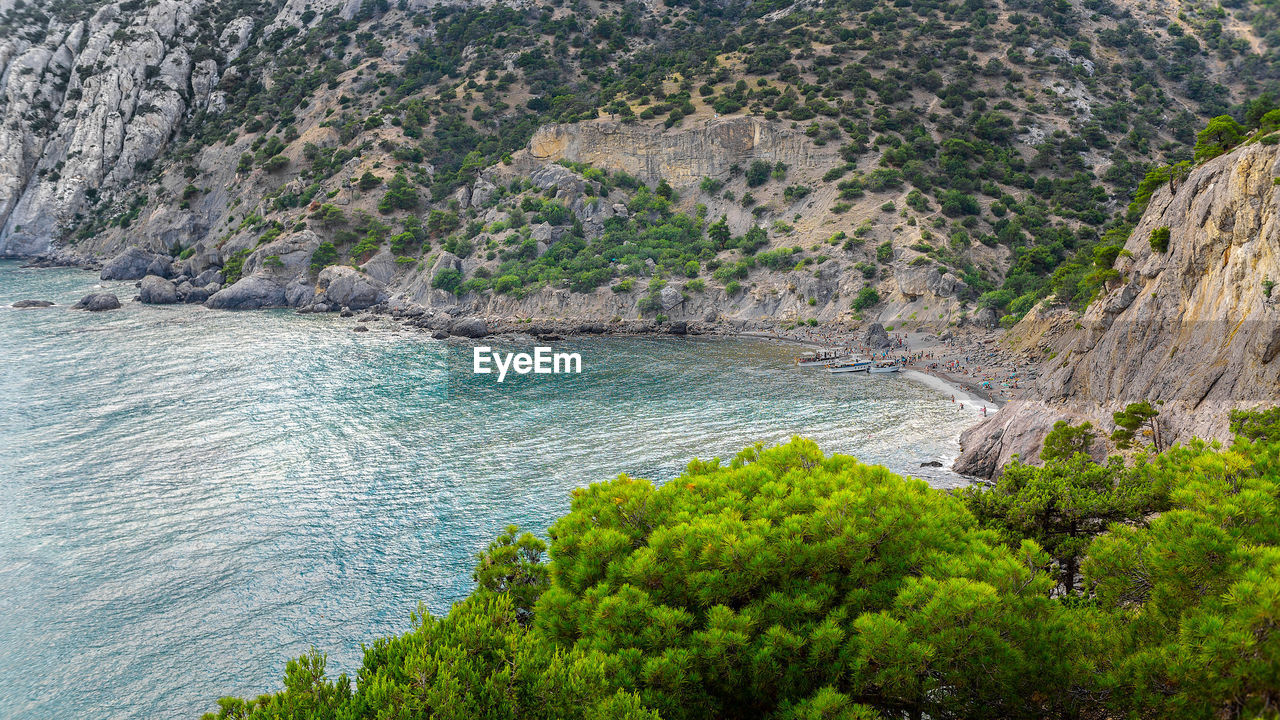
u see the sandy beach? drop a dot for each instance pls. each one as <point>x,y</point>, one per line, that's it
<point>968,363</point>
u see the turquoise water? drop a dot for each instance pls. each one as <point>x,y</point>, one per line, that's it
<point>188,498</point>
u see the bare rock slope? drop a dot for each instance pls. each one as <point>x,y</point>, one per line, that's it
<point>1195,329</point>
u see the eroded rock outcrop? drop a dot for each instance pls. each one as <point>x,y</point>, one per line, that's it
<point>88,108</point>
<point>1195,330</point>
<point>134,264</point>
<point>683,157</point>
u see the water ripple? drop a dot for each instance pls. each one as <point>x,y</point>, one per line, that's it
<point>189,498</point>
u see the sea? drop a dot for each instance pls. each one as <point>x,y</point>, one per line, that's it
<point>190,497</point>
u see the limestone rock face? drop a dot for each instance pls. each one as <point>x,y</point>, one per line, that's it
<point>381,267</point>
<point>915,282</point>
<point>87,109</point>
<point>682,157</point>
<point>1191,328</point>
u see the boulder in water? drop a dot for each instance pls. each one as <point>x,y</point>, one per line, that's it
<point>134,264</point>
<point>158,291</point>
<point>250,293</point>
<point>33,304</point>
<point>470,328</point>
<point>97,302</point>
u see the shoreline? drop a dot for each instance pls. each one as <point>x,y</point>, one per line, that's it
<point>945,383</point>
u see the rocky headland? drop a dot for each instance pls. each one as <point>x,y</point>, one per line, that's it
<point>1194,330</point>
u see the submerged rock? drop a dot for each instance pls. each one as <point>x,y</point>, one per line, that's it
<point>97,302</point>
<point>33,304</point>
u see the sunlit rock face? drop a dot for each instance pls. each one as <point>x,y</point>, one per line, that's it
<point>1195,330</point>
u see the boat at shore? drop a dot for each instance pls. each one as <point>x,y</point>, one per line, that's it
<point>885,368</point>
<point>824,357</point>
<point>849,367</point>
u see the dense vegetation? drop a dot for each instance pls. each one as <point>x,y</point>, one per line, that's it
<point>1017,129</point>
<point>786,584</point>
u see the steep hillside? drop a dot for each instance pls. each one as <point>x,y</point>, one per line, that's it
<point>925,162</point>
<point>1194,328</point>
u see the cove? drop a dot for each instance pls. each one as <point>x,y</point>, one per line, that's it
<point>189,496</point>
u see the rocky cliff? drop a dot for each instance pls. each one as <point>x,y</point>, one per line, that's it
<point>92,97</point>
<point>865,172</point>
<point>709,150</point>
<point>88,103</point>
<point>1194,329</point>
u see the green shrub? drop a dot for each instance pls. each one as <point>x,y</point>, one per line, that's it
<point>884,252</point>
<point>275,163</point>
<point>507,284</point>
<point>447,279</point>
<point>324,255</point>
<point>368,181</point>
<point>401,195</point>
<point>234,267</point>
<point>867,297</point>
<point>1160,239</point>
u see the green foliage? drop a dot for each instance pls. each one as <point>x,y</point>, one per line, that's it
<point>1257,425</point>
<point>867,298</point>
<point>1194,593</point>
<point>513,566</point>
<point>675,583</point>
<point>329,215</point>
<point>884,252</point>
<point>1154,179</point>
<point>1136,419</point>
<point>324,255</point>
<point>1065,504</point>
<point>758,173</point>
<point>401,195</point>
<point>447,279</point>
<point>368,181</point>
<point>1065,440</point>
<point>1160,239</point>
<point>787,585</point>
<point>233,267</point>
<point>1221,134</point>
